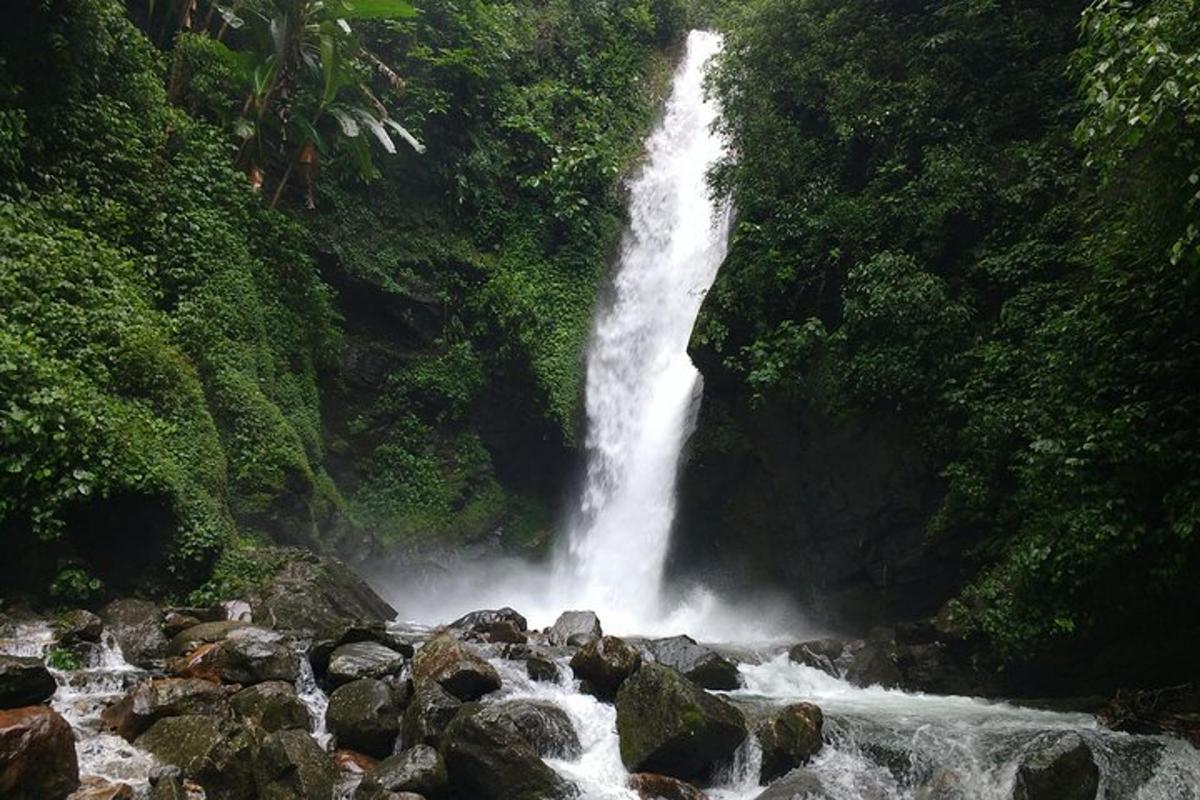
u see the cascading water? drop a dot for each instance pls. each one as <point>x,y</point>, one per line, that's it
<point>642,388</point>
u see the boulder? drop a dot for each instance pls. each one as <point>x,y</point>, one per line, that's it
<point>420,770</point>
<point>79,627</point>
<point>541,668</point>
<point>669,725</point>
<point>789,738</point>
<point>158,698</point>
<point>188,640</point>
<point>353,763</point>
<point>506,633</point>
<point>37,755</point>
<point>605,663</point>
<point>317,595</point>
<point>874,664</point>
<point>217,754</point>
<point>545,726</point>
<point>1060,767</point>
<point>166,783</point>
<point>428,715</point>
<point>96,788</point>
<point>137,627</point>
<point>575,628</point>
<point>176,622</point>
<point>248,655</point>
<point>271,706</point>
<point>456,666</point>
<point>363,715</point>
<point>799,784</point>
<point>362,660</point>
<point>659,787</point>
<point>488,759</point>
<point>24,681</point>
<point>942,785</point>
<point>482,623</point>
<point>292,766</point>
<point>699,664</point>
<point>819,654</point>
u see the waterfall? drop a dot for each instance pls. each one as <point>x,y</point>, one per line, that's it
<point>642,389</point>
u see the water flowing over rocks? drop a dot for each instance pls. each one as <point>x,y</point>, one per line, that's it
<point>1060,769</point>
<point>669,725</point>
<point>789,738</point>
<point>137,627</point>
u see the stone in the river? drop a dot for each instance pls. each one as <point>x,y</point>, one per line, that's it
<point>93,787</point>
<point>247,655</point>
<point>79,627</point>
<point>166,783</point>
<point>188,640</point>
<point>1060,768</point>
<point>317,595</point>
<point>24,681</point>
<point>456,666</point>
<point>292,766</point>
<point>699,664</point>
<point>362,660</point>
<point>137,627</point>
<point>353,763</point>
<point>575,628</point>
<point>176,622</point>
<point>544,725</point>
<point>505,632</point>
<point>818,654</point>
<point>483,622</point>
<point>800,784</point>
<point>217,754</point>
<point>874,664</point>
<point>428,715</point>
<point>157,698</point>
<point>671,726</point>
<point>605,663</point>
<point>488,759</point>
<point>789,738</point>
<point>541,668</point>
<point>660,787</point>
<point>420,769</point>
<point>943,785</point>
<point>363,715</point>
<point>272,706</point>
<point>37,755</point>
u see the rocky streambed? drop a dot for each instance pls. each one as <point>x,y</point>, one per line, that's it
<point>312,691</point>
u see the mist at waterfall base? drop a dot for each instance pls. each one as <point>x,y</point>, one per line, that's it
<point>642,394</point>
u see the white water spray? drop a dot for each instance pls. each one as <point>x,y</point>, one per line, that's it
<point>642,389</point>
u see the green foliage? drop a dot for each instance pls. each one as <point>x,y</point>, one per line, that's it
<point>919,234</point>
<point>241,568</point>
<point>63,660</point>
<point>74,586</point>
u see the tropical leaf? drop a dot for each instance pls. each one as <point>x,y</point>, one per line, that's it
<point>377,129</point>
<point>349,126</point>
<point>405,135</point>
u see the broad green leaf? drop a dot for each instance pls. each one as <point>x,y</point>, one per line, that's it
<point>405,135</point>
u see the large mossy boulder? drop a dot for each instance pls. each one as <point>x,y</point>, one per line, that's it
<point>456,666</point>
<point>37,755</point>
<point>819,654</point>
<point>24,681</point>
<point>1061,767</point>
<point>575,628</point>
<point>364,715</point>
<point>428,715</point>
<point>218,754</point>
<point>158,698</point>
<point>246,656</point>
<point>670,726</point>
<point>349,662</point>
<point>317,595</point>
<point>137,627</point>
<point>292,766</point>
<point>192,637</point>
<point>488,758</point>
<point>272,706</point>
<point>420,770</point>
<point>545,726</point>
<point>486,623</point>
<point>604,664</point>
<point>701,665</point>
<point>789,738</point>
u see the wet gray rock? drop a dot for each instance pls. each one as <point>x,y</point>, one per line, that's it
<point>420,770</point>
<point>701,665</point>
<point>670,726</point>
<point>362,660</point>
<point>604,664</point>
<point>318,596</point>
<point>797,784</point>
<point>575,628</point>
<point>484,622</point>
<point>364,716</point>
<point>1061,767</point>
<point>292,766</point>
<point>428,715</point>
<point>247,655</point>
<point>943,785</point>
<point>545,726</point>
<point>158,698</point>
<point>137,627</point>
<point>659,787</point>
<point>874,664</point>
<point>189,639</point>
<point>819,654</point>
<point>217,754</point>
<point>79,627</point>
<point>37,755</point>
<point>271,706</point>
<point>541,668</point>
<point>456,666</point>
<point>488,759</point>
<point>24,682</point>
<point>789,738</point>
